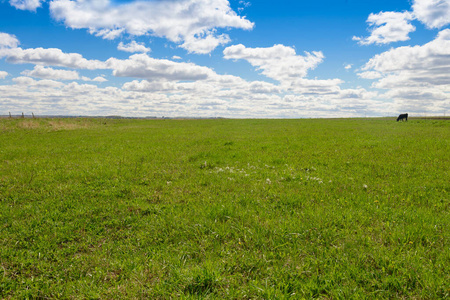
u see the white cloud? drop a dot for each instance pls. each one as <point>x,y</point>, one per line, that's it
<point>388,27</point>
<point>100,79</point>
<point>49,57</point>
<point>8,41</point>
<point>137,65</point>
<point>133,47</point>
<point>419,73</point>
<point>178,88</point>
<point>432,56</point>
<point>30,82</point>
<point>433,13</point>
<point>30,5</point>
<point>261,87</point>
<point>315,86</point>
<point>96,79</point>
<point>191,23</point>
<point>107,34</point>
<point>348,66</point>
<point>348,103</point>
<point>150,86</point>
<point>204,43</point>
<point>3,74</point>
<point>215,86</point>
<point>278,62</point>
<point>218,95</point>
<point>49,73</point>
<point>144,66</point>
<point>284,65</point>
<point>245,3</point>
<point>370,75</point>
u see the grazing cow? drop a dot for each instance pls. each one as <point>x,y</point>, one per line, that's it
<point>402,117</point>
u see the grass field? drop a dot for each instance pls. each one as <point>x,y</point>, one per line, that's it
<point>234,209</point>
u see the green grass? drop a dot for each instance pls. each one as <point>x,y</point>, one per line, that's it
<point>235,209</point>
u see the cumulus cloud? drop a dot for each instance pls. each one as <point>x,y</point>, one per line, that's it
<point>133,47</point>
<point>433,13</point>
<point>30,82</point>
<point>100,79</point>
<point>278,62</point>
<point>370,75</point>
<point>315,86</point>
<point>218,95</point>
<point>8,41</point>
<point>418,73</point>
<point>177,88</point>
<point>49,57</point>
<point>214,87</point>
<point>261,87</point>
<point>30,5</point>
<point>258,98</point>
<point>58,74</point>
<point>49,73</point>
<point>388,27</point>
<point>137,65</point>
<point>191,23</point>
<point>204,43</point>
<point>3,74</point>
<point>281,63</point>
<point>151,86</point>
<point>348,103</point>
<point>144,66</point>
<point>431,56</point>
<point>107,34</point>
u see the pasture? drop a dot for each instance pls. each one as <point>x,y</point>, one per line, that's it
<point>224,209</point>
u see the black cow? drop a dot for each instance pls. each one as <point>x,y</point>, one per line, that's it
<point>402,117</point>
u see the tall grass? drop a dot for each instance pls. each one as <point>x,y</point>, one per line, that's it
<point>345,208</point>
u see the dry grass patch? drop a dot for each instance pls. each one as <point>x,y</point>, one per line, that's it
<point>29,124</point>
<point>45,124</point>
<point>65,125</point>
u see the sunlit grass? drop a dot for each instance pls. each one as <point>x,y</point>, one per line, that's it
<point>346,208</point>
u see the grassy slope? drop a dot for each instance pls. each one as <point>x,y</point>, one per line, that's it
<point>346,208</point>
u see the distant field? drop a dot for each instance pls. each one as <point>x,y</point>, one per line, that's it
<point>231,209</point>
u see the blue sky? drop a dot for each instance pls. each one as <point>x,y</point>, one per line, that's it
<point>225,58</point>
